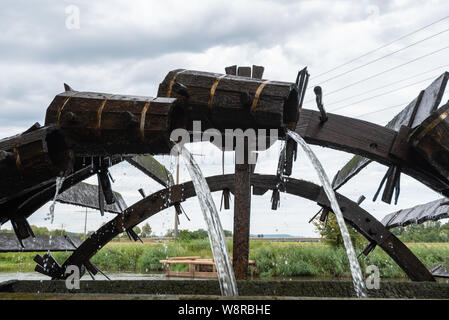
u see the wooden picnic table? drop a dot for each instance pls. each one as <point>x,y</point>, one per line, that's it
<point>198,267</point>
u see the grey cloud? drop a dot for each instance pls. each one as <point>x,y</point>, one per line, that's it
<point>38,33</point>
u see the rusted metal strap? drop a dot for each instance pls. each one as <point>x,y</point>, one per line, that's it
<point>63,105</point>
<point>212,90</point>
<point>18,161</point>
<point>257,95</point>
<point>172,81</point>
<point>142,119</point>
<point>433,124</point>
<point>100,111</point>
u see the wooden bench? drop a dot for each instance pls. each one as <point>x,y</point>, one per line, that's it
<point>198,267</point>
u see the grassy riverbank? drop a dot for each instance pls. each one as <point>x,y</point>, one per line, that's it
<point>272,258</point>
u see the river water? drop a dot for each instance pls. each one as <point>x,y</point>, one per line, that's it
<point>5,276</point>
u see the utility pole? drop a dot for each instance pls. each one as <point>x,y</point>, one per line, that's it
<point>85,221</point>
<point>85,225</point>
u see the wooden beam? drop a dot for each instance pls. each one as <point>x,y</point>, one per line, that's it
<point>110,124</point>
<point>27,202</point>
<point>430,139</point>
<point>226,101</point>
<point>242,212</point>
<point>32,158</point>
<point>365,223</point>
<point>371,141</point>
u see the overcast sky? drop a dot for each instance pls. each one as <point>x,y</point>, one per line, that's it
<point>127,47</point>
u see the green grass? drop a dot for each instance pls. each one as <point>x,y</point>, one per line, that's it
<point>23,261</point>
<point>273,259</point>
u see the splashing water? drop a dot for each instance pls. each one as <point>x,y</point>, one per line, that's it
<point>51,214</point>
<point>226,277</point>
<point>357,277</point>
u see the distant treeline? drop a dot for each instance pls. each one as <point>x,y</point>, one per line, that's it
<point>43,231</point>
<point>431,231</point>
<point>144,232</point>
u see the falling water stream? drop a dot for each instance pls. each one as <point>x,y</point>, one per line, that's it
<point>51,214</point>
<point>226,277</point>
<point>357,277</point>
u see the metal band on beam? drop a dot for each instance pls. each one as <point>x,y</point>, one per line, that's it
<point>18,161</point>
<point>257,95</point>
<point>100,111</point>
<point>212,90</point>
<point>142,119</point>
<point>433,124</point>
<point>172,81</point>
<point>63,105</point>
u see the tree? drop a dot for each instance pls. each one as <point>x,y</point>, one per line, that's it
<point>57,232</point>
<point>146,230</point>
<point>40,231</point>
<point>186,235</point>
<point>201,234</point>
<point>332,235</point>
<point>430,231</point>
<point>227,233</point>
<point>137,230</point>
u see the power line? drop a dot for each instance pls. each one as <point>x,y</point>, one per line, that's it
<point>387,85</point>
<point>381,47</point>
<point>383,109</point>
<point>383,57</point>
<point>385,71</point>
<point>382,94</point>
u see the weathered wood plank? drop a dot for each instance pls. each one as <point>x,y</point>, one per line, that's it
<point>429,101</point>
<point>431,211</point>
<point>32,158</point>
<point>244,71</point>
<point>412,115</point>
<point>108,124</point>
<point>152,168</point>
<point>368,140</point>
<point>228,101</point>
<point>28,201</point>
<point>258,72</point>
<point>346,134</point>
<point>242,213</point>
<point>430,139</point>
<point>86,195</point>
